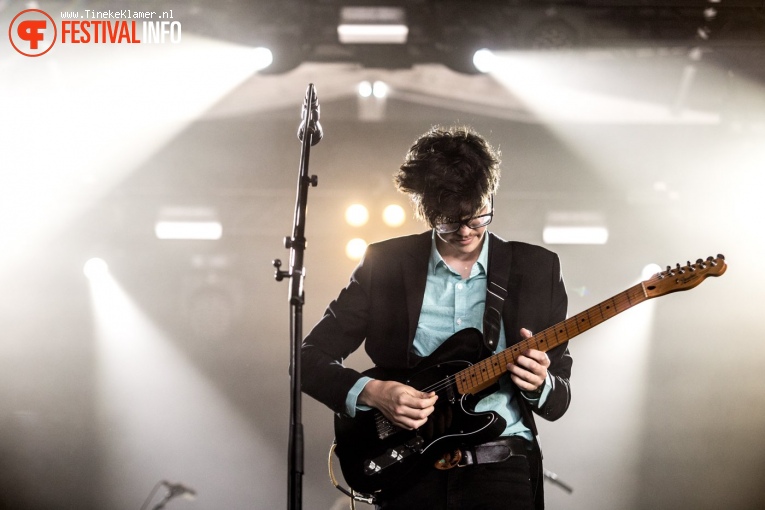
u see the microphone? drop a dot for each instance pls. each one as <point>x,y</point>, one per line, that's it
<point>178,489</point>
<point>311,101</point>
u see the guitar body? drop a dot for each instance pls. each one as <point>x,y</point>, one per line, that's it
<point>375,455</point>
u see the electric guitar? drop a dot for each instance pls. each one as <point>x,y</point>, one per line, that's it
<point>375,455</point>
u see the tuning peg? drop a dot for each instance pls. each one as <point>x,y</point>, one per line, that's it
<point>669,270</point>
<point>690,267</point>
<point>679,269</point>
<point>711,261</point>
<point>721,256</point>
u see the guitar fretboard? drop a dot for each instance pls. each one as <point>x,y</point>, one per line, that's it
<point>485,373</point>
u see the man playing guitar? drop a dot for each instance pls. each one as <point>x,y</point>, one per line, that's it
<point>414,300</point>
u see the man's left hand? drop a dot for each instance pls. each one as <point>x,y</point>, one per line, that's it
<point>530,369</point>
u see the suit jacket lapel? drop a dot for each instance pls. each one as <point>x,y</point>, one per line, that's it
<point>415,273</point>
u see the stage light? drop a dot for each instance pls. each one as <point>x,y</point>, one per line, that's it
<point>161,81</point>
<point>380,89</point>
<point>372,34</point>
<point>192,230</point>
<point>262,58</point>
<point>95,268</point>
<point>371,101</point>
<point>575,228</point>
<point>372,25</point>
<point>575,235</point>
<point>356,215</point>
<point>484,60</point>
<point>394,215</point>
<point>365,89</point>
<point>183,222</point>
<point>277,55</point>
<point>355,248</point>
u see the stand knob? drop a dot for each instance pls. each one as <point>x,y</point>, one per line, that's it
<point>279,274</point>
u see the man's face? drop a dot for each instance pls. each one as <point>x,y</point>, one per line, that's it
<point>468,237</point>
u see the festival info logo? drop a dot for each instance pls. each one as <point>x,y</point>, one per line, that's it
<point>32,32</point>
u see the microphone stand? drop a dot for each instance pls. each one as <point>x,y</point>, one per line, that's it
<point>309,133</point>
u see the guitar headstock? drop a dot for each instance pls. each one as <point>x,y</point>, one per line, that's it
<point>684,277</point>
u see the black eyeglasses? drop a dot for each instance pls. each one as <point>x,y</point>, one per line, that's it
<point>475,222</point>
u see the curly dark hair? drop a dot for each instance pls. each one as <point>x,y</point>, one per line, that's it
<point>449,174</point>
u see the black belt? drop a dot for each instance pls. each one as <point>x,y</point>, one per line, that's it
<point>485,453</point>
<point>495,451</point>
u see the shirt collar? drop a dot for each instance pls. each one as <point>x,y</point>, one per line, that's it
<point>436,259</point>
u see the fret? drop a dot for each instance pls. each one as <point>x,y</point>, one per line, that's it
<point>610,308</point>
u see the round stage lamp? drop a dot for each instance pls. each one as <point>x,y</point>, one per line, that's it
<point>95,268</point>
<point>356,215</point>
<point>355,248</point>
<point>394,215</point>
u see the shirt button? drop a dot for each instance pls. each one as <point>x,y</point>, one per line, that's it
<point>459,322</point>
<point>459,286</point>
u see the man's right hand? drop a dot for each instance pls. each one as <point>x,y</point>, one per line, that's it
<point>403,405</point>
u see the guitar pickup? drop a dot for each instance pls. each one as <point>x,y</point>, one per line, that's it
<point>451,397</point>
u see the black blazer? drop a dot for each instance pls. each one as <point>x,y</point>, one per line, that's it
<point>382,303</point>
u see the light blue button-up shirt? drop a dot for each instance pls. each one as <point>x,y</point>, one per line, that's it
<point>450,304</point>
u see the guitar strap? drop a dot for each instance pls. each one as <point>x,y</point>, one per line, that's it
<point>496,291</point>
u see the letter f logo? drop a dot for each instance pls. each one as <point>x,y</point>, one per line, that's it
<point>29,30</point>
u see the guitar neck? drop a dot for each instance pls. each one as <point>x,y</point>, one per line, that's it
<point>485,373</point>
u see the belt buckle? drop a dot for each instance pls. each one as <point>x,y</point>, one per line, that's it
<point>467,459</point>
<point>449,460</point>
